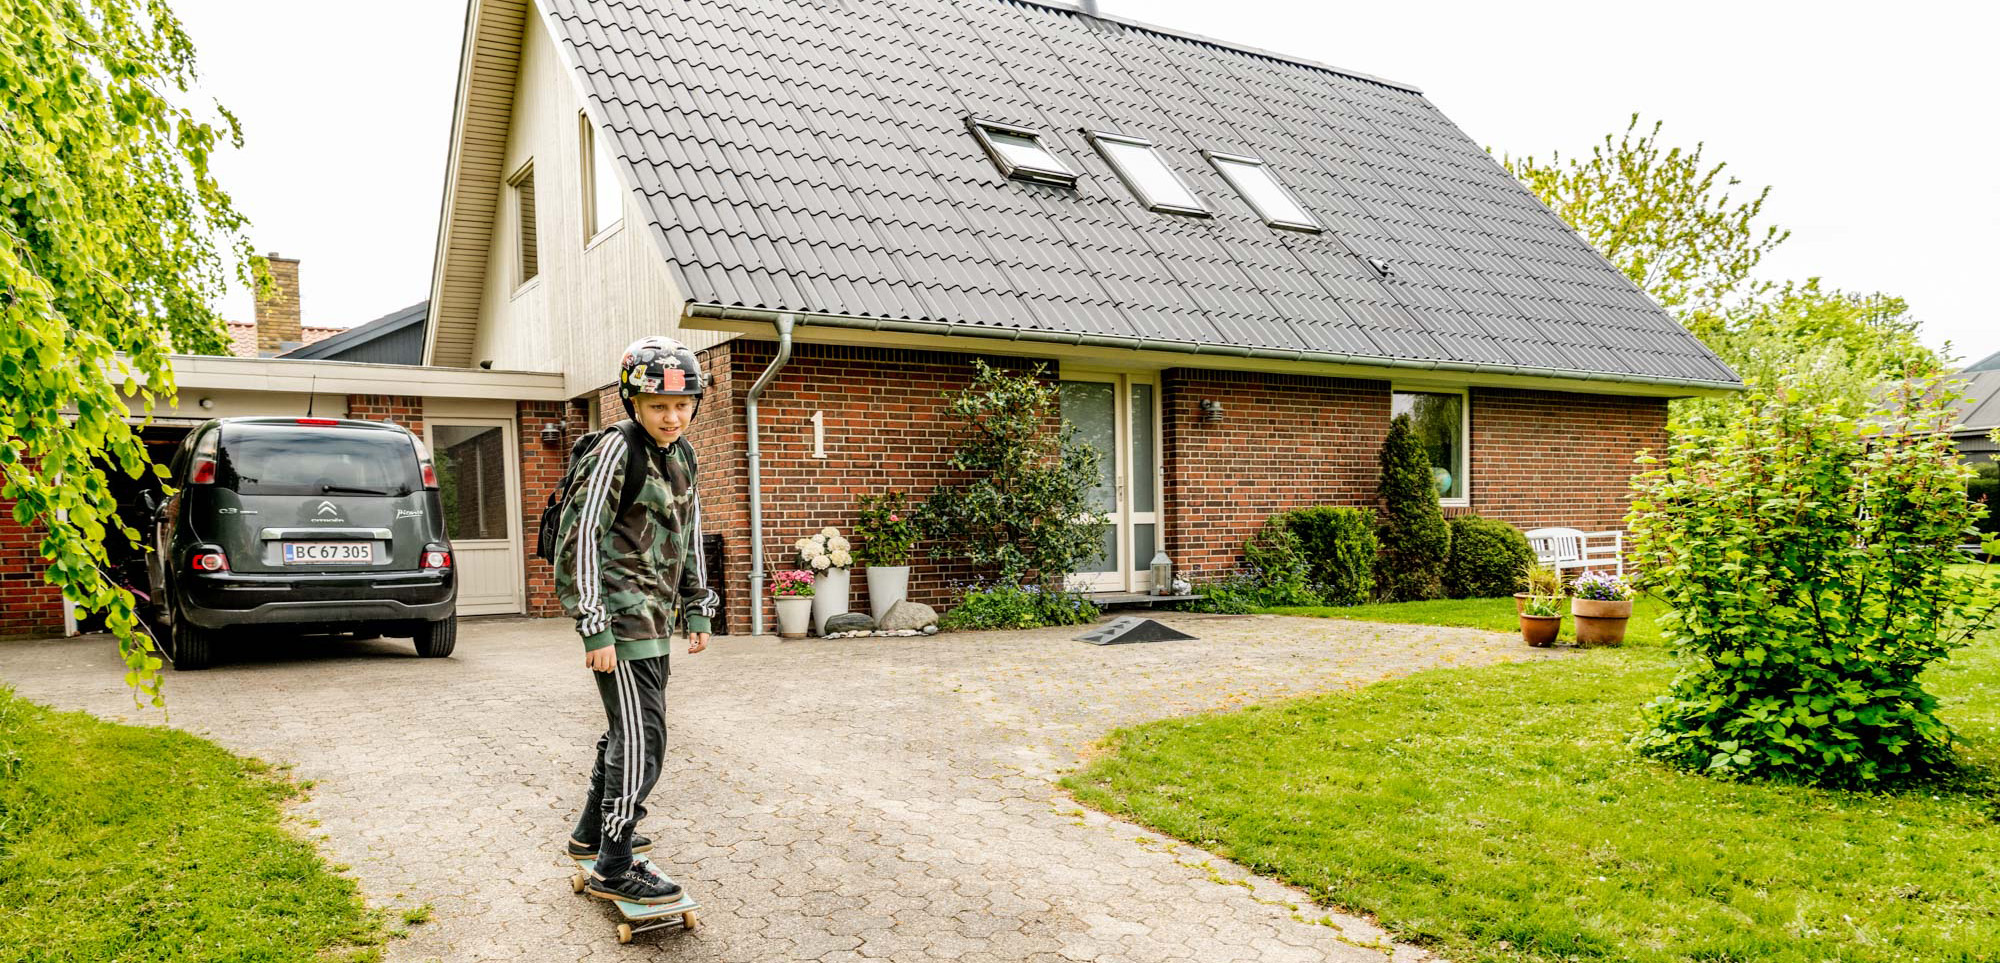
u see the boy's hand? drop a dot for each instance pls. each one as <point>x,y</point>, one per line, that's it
<point>697,641</point>
<point>602,660</point>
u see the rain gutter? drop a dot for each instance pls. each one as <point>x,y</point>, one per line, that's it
<point>959,329</point>
<point>784,323</point>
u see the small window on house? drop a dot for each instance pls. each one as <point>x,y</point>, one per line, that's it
<point>1146,175</point>
<point>603,201</point>
<point>1440,423</point>
<point>1019,153</point>
<point>1253,180</point>
<point>529,258</point>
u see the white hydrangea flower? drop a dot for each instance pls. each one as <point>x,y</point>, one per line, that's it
<point>838,544</point>
<point>830,532</point>
<point>802,543</point>
<point>821,562</point>
<point>841,558</point>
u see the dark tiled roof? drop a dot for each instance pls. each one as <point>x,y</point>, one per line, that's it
<point>813,156</point>
<point>1980,409</point>
<point>347,340</point>
<point>1991,363</point>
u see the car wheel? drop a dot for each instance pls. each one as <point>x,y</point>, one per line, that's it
<point>193,647</point>
<point>435,640</point>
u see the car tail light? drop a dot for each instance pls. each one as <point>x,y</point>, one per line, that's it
<point>424,463</point>
<point>201,471</point>
<point>437,558</point>
<point>319,421</point>
<point>208,560</point>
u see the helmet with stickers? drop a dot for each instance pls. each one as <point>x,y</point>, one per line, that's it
<point>658,365</point>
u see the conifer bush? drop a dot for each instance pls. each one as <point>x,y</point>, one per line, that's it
<point>1805,555</point>
<point>1488,559</point>
<point>1415,540</point>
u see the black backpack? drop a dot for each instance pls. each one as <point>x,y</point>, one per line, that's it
<point>636,444</point>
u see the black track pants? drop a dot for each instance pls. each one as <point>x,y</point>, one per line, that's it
<point>628,759</point>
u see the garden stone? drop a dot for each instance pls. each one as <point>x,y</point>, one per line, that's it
<point>930,630</point>
<point>850,622</point>
<point>909,615</point>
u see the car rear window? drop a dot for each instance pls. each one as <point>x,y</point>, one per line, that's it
<point>314,460</point>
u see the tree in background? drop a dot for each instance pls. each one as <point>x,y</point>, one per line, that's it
<point>1024,504</point>
<point>118,241</point>
<point>1667,219</point>
<point>1414,538</point>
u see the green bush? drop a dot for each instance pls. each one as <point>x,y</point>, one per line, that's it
<point>1340,548</point>
<point>1018,607</point>
<point>1986,485</point>
<point>1487,559</point>
<point>1278,562</point>
<point>1414,537</point>
<point>1803,555</point>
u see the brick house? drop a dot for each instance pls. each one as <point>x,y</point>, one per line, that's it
<point>1236,266</point>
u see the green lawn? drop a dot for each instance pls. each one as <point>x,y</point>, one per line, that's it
<point>139,843</point>
<point>1495,814</point>
<point>1495,614</point>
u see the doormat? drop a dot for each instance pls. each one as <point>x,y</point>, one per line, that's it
<point>1130,629</point>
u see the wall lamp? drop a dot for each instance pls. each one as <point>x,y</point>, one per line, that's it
<point>1212,408</point>
<point>552,434</point>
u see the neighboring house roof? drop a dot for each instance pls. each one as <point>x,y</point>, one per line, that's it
<point>815,158</point>
<point>243,337</point>
<point>1990,363</point>
<point>394,338</point>
<point>1980,413</point>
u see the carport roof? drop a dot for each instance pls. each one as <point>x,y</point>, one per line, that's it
<point>816,158</point>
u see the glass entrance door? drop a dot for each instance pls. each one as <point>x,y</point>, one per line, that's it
<point>1117,413</point>
<point>474,460</point>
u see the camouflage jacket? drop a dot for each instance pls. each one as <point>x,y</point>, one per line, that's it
<point>626,579</point>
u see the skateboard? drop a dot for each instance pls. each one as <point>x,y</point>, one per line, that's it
<point>640,917</point>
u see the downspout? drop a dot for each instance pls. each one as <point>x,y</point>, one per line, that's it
<point>784,323</point>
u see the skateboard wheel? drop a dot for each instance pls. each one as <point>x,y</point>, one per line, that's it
<point>624,932</point>
<point>576,882</point>
<point>688,921</point>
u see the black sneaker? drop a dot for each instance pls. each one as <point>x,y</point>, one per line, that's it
<point>578,850</point>
<point>639,884</point>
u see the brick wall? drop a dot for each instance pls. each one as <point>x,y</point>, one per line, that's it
<point>404,410</point>
<point>541,471</point>
<point>29,605</point>
<point>1539,458</point>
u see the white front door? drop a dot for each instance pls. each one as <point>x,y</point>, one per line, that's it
<point>476,461</point>
<point>1118,414</point>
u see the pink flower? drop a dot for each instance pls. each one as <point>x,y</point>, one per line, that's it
<point>895,517</point>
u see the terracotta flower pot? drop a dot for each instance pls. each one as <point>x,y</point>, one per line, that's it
<point>1520,602</point>
<point>1540,630</point>
<point>1599,622</point>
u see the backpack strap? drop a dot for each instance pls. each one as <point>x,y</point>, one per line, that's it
<point>636,466</point>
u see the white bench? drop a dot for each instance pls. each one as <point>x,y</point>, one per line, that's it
<point>1566,549</point>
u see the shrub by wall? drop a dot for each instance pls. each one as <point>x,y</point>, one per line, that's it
<point>1415,539</point>
<point>1487,556</point>
<point>1339,548</point>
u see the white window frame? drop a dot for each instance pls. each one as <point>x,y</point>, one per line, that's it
<point>1099,138</point>
<point>1056,174</point>
<point>1218,159</point>
<point>588,140</point>
<point>522,279</point>
<point>1464,430</point>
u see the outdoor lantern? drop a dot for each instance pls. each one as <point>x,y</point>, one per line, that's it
<point>1212,408</point>
<point>1163,573</point>
<point>552,434</point>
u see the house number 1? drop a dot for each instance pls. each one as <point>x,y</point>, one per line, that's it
<point>819,434</point>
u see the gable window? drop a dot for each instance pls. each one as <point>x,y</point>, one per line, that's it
<point>1019,153</point>
<point>528,257</point>
<point>1146,175</point>
<point>1441,425</point>
<point>603,202</point>
<point>1253,180</point>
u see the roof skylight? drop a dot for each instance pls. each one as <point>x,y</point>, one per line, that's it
<point>1253,180</point>
<point>1146,175</point>
<point>1019,153</point>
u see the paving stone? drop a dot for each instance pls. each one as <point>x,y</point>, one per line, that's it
<point>882,798</point>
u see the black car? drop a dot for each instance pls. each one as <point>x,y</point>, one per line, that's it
<point>301,525</point>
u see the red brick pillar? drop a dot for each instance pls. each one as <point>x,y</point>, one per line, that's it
<point>542,466</point>
<point>402,409</point>
<point>29,605</point>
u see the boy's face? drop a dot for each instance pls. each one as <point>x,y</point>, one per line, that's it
<point>664,416</point>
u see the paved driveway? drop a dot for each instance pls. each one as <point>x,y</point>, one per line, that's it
<point>831,801</point>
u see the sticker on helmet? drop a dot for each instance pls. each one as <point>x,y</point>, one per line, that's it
<point>676,380</point>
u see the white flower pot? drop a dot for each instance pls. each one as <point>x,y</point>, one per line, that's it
<point>794,616</point>
<point>829,597</point>
<point>887,585</point>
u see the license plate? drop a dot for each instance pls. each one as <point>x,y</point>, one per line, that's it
<point>306,553</point>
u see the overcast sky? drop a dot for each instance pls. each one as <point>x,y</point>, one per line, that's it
<point>1873,125</point>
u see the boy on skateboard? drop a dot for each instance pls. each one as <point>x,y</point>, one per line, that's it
<point>626,577</point>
